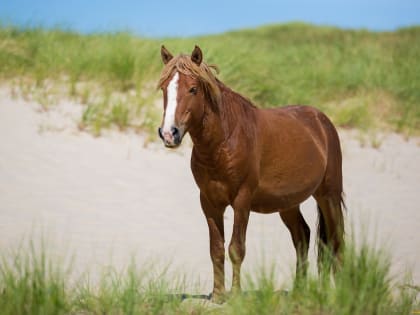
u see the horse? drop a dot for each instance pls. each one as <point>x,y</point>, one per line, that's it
<point>261,160</point>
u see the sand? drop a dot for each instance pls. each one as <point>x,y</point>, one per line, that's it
<point>109,199</point>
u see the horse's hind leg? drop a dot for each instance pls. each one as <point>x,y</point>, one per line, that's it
<point>300,233</point>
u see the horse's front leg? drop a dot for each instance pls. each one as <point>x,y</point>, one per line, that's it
<point>241,209</point>
<point>214,216</point>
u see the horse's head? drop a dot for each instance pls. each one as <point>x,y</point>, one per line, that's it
<point>187,84</point>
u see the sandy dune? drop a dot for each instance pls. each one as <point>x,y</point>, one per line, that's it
<point>106,199</point>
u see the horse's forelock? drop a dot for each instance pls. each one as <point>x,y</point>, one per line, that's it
<point>203,72</point>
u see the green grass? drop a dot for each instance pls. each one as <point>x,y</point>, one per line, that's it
<point>33,281</point>
<point>362,79</point>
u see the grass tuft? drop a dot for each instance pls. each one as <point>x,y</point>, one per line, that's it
<point>362,285</point>
<point>33,282</point>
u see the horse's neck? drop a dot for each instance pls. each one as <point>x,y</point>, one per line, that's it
<point>236,112</point>
<point>209,136</point>
<point>218,126</point>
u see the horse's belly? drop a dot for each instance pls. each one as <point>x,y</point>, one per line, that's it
<point>278,192</point>
<point>268,201</point>
<point>288,177</point>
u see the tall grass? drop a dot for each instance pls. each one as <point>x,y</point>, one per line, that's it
<point>363,285</point>
<point>361,79</point>
<point>32,281</point>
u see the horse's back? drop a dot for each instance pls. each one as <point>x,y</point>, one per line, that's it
<point>302,117</point>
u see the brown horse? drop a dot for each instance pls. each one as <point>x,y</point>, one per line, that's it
<point>262,160</point>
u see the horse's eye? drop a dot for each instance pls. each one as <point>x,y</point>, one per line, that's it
<point>193,90</point>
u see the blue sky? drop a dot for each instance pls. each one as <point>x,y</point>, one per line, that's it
<point>186,18</point>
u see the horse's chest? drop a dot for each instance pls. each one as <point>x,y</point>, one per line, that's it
<point>217,191</point>
<point>220,177</point>
<point>216,184</point>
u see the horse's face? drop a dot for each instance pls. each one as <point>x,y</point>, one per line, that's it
<point>183,102</point>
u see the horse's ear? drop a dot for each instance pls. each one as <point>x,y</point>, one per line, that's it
<point>197,55</point>
<point>166,55</point>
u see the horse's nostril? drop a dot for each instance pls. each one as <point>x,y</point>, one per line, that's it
<point>174,131</point>
<point>176,134</point>
<point>160,133</point>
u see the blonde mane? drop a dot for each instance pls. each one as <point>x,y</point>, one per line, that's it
<point>203,72</point>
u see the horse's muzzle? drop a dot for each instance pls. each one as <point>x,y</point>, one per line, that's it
<point>171,139</point>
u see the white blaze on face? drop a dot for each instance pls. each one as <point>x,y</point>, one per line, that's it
<point>172,103</point>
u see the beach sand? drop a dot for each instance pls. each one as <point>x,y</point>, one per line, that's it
<point>109,199</point>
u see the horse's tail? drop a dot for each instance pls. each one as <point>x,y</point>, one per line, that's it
<point>330,198</point>
<point>330,236</point>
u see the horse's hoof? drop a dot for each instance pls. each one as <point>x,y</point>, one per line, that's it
<point>217,298</point>
<point>235,291</point>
